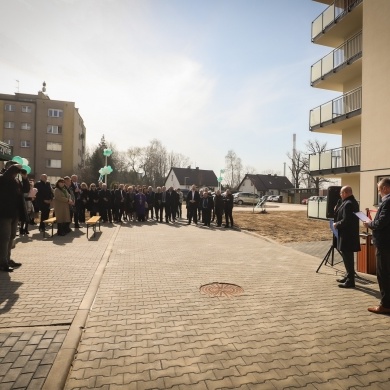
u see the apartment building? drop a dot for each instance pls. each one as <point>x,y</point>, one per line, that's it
<point>357,65</point>
<point>50,134</point>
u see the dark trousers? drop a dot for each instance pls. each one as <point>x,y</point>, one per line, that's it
<point>45,211</point>
<point>219,218</point>
<point>383,275</point>
<point>106,214</point>
<point>229,217</point>
<point>158,212</point>
<point>8,228</point>
<point>206,216</point>
<point>167,209</point>
<point>192,214</point>
<point>179,208</point>
<point>76,210</point>
<point>349,263</point>
<point>149,210</point>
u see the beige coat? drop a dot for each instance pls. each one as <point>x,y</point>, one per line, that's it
<point>61,206</point>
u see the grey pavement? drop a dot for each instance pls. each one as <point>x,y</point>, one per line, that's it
<point>125,310</point>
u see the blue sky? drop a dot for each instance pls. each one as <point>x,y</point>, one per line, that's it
<point>202,76</point>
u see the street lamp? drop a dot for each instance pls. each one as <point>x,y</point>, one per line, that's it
<point>185,182</point>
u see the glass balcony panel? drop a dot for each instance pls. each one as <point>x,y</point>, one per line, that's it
<point>328,16</point>
<point>316,27</point>
<point>327,64</point>
<point>316,71</point>
<point>315,117</point>
<point>326,112</point>
<point>326,160</point>
<point>314,162</point>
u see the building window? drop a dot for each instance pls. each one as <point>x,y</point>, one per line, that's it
<point>25,144</point>
<point>53,129</point>
<point>55,113</point>
<point>9,125</point>
<point>53,163</point>
<point>57,147</point>
<point>25,126</point>
<point>9,107</point>
<point>9,142</point>
<point>27,109</point>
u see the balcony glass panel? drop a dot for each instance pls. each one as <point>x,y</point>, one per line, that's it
<point>314,162</point>
<point>328,16</point>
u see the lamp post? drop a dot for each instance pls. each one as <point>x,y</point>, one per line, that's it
<point>185,182</point>
<point>221,171</point>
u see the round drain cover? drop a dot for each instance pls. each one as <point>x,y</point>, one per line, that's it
<point>221,290</point>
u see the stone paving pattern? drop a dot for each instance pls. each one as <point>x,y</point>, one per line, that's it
<point>151,328</point>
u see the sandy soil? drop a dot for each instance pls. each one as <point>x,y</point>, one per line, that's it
<point>284,226</point>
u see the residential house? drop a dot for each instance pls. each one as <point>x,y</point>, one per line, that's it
<point>357,66</point>
<point>183,178</point>
<point>266,185</point>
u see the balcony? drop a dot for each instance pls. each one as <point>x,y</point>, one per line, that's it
<point>327,30</point>
<point>335,161</point>
<point>340,66</point>
<point>330,117</point>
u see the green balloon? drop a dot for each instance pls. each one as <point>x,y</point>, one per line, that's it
<point>27,169</point>
<point>17,159</point>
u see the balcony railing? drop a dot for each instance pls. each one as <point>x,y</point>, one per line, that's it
<point>344,54</point>
<point>336,160</point>
<point>341,107</point>
<point>334,12</point>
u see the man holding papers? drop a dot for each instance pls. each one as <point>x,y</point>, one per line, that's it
<point>347,225</point>
<point>381,238</point>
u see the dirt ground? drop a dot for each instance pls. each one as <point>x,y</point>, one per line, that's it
<point>284,226</point>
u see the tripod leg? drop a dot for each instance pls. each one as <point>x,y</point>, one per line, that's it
<point>326,258</point>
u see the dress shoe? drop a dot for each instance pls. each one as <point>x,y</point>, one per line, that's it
<point>347,285</point>
<point>14,264</point>
<point>342,280</point>
<point>6,269</point>
<point>379,309</point>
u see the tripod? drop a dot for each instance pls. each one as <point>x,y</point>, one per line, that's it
<point>325,260</point>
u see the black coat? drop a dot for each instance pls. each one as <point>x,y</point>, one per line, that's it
<point>381,226</point>
<point>347,224</point>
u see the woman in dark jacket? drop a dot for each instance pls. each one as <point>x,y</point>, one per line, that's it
<point>93,203</point>
<point>218,207</point>
<point>84,200</point>
<point>228,207</point>
<point>347,241</point>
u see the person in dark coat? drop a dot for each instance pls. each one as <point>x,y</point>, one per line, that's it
<point>228,208</point>
<point>172,203</point>
<point>193,199</point>
<point>105,203</point>
<point>207,205</point>
<point>348,242</point>
<point>158,208</point>
<point>11,208</point>
<point>150,202</point>
<point>43,199</point>
<point>381,238</point>
<point>218,207</point>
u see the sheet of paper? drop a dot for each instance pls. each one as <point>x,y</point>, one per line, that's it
<point>334,231</point>
<point>363,217</point>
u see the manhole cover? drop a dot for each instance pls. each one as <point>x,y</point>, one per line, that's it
<point>221,290</point>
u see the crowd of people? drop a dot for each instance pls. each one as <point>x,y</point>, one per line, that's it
<point>23,202</point>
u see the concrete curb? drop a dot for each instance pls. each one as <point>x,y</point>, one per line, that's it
<point>58,374</point>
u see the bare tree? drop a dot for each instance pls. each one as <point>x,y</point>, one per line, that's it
<point>233,170</point>
<point>178,160</point>
<point>297,167</point>
<point>249,169</point>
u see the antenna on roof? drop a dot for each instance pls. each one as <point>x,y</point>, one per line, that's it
<point>44,86</point>
<point>17,85</point>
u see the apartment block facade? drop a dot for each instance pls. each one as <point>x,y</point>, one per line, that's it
<point>50,134</point>
<point>357,65</point>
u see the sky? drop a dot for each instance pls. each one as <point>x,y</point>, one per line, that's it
<point>202,76</point>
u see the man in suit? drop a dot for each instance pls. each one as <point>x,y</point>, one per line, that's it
<point>193,199</point>
<point>150,201</point>
<point>207,205</point>
<point>381,238</point>
<point>173,200</point>
<point>158,208</point>
<point>348,242</point>
<point>75,186</point>
<point>119,201</point>
<point>43,199</point>
<point>105,203</point>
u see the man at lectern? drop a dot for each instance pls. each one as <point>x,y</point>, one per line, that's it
<point>348,242</point>
<point>381,238</point>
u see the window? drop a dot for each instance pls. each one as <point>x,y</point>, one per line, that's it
<point>55,113</point>
<point>26,109</point>
<point>9,142</point>
<point>53,163</point>
<point>9,107</point>
<point>25,144</point>
<point>9,125</point>
<point>57,147</point>
<point>25,126</point>
<point>53,129</point>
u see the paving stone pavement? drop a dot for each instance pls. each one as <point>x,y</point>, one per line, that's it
<point>150,327</point>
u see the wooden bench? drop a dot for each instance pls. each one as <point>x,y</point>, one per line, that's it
<point>52,222</point>
<point>93,221</point>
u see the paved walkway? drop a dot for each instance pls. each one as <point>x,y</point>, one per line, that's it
<point>125,311</point>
